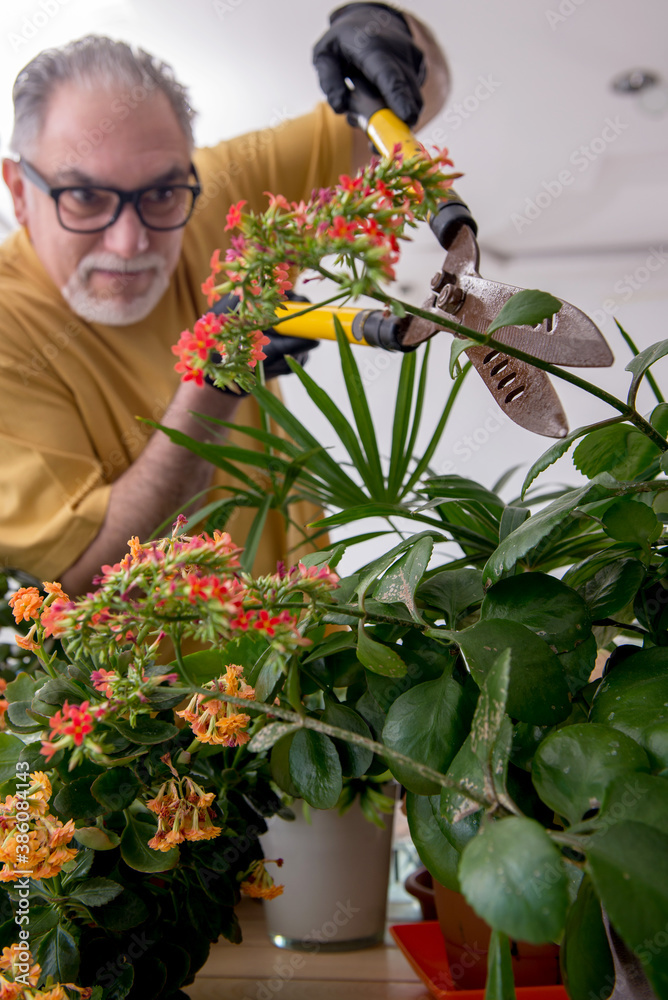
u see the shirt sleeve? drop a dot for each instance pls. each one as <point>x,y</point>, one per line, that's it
<point>54,497</point>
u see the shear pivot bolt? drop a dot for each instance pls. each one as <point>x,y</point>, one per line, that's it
<point>450,298</point>
<point>442,278</point>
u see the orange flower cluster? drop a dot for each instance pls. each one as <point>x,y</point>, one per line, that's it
<point>19,978</point>
<point>184,813</point>
<point>27,604</point>
<point>33,842</point>
<point>258,883</point>
<point>215,721</point>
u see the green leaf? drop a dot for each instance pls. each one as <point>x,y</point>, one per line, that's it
<point>632,521</point>
<point>574,766</point>
<point>96,838</point>
<point>586,961</point>
<point>10,751</point>
<point>639,365</point>
<point>146,731</point>
<point>428,723</point>
<point>255,534</point>
<point>620,449</point>
<point>457,348</point>
<point>511,518</point>
<point>202,666</point>
<point>512,875</point>
<point>526,308</point>
<point>400,456</point>
<point>538,690</point>
<point>613,587</point>
<point>640,797</point>
<point>500,983</point>
<point>58,955</point>
<point>361,412</point>
<point>20,689</point>
<point>557,614</point>
<point>338,421</point>
<point>553,453</point>
<point>116,789</point>
<point>634,696</point>
<point>453,592</point>
<point>138,855</point>
<point>279,762</point>
<point>490,710</point>
<point>355,760</point>
<point>375,569</point>
<point>266,737</point>
<point>628,864</point>
<point>77,868</point>
<point>376,657</point>
<point>126,911</point>
<point>75,801</point>
<point>454,805</point>
<point>96,892</point>
<point>435,850</point>
<point>17,716</point>
<point>539,526</point>
<point>315,769</point>
<point>399,583</point>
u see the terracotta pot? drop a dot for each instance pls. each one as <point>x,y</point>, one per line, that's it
<point>336,873</point>
<point>420,884</point>
<point>467,942</point>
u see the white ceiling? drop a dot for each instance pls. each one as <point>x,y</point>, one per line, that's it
<point>541,69</point>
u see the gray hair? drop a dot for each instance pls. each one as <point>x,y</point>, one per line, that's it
<point>90,62</point>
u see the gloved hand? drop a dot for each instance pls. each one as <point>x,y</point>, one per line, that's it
<point>374,41</point>
<point>277,349</point>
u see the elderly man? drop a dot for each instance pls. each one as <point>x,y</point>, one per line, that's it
<point>119,217</point>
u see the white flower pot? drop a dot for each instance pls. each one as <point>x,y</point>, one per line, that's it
<point>335,872</point>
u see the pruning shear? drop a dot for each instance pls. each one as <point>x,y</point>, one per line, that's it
<point>459,293</point>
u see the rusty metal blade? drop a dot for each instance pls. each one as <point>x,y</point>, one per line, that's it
<point>569,338</point>
<point>523,392</point>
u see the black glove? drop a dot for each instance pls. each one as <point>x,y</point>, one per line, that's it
<point>277,349</point>
<point>374,41</point>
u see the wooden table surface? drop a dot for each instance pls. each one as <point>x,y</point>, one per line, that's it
<point>257,970</point>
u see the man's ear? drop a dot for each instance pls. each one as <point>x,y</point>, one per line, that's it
<point>13,178</point>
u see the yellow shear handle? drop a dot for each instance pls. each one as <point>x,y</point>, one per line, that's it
<point>386,130</point>
<point>318,324</point>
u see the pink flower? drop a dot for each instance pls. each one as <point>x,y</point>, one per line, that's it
<point>234,215</point>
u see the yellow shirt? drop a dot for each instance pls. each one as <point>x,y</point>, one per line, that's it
<point>70,391</point>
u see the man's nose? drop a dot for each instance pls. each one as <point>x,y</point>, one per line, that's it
<point>127,236</point>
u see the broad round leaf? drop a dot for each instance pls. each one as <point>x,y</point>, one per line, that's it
<point>279,762</point>
<point>655,741</point>
<point>634,696</point>
<point>138,855</point>
<point>642,798</point>
<point>538,690</point>
<point>629,867</point>
<point>75,801</point>
<point>10,751</point>
<point>116,789</point>
<point>631,521</point>
<point>513,877</point>
<point>574,766</point>
<point>315,769</point>
<point>452,592</point>
<point>376,657</point>
<point>146,731</point>
<point>96,838</point>
<point>557,614</point>
<point>435,850</point>
<point>619,449</point>
<point>428,723</point>
<point>613,587</point>
<point>355,760</point>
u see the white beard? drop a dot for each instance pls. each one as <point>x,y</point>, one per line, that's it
<point>105,306</point>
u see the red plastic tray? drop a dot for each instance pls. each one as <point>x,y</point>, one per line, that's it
<point>423,946</point>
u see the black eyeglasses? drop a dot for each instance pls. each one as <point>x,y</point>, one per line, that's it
<point>84,209</point>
